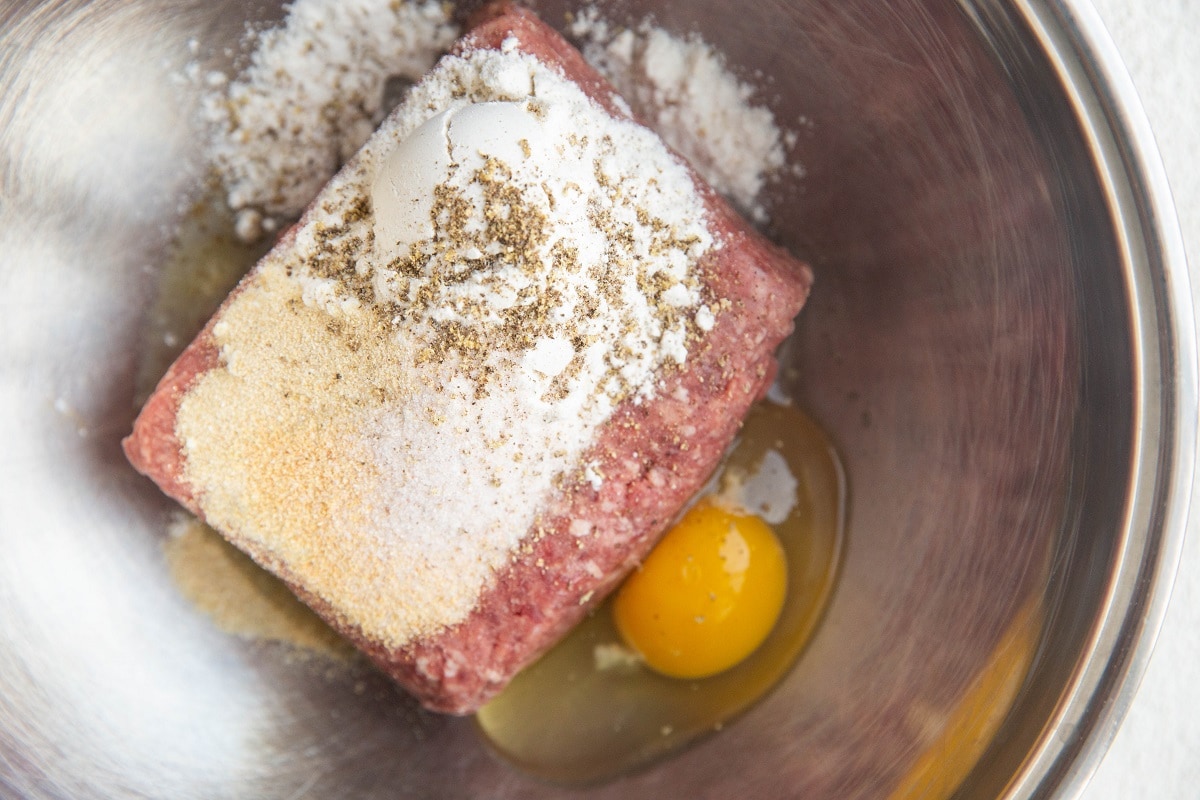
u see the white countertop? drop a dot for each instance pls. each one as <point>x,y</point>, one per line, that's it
<point>1156,753</point>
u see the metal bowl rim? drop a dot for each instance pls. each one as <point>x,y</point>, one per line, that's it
<point>1114,661</point>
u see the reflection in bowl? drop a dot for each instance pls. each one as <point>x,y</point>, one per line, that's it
<point>995,343</point>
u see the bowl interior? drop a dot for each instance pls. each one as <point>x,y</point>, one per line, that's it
<point>969,345</point>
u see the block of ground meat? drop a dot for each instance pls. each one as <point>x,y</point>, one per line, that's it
<point>462,397</point>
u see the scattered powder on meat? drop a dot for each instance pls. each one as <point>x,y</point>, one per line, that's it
<point>388,421</point>
<point>684,90</point>
<point>313,93</point>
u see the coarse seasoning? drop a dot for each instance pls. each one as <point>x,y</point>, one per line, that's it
<point>392,412</point>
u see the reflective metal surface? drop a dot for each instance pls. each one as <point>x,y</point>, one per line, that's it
<point>1000,341</point>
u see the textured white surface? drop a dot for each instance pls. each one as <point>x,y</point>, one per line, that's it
<point>1156,754</point>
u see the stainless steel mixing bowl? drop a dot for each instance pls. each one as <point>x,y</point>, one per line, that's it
<point>1000,341</point>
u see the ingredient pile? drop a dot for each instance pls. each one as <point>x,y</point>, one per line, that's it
<point>505,336</point>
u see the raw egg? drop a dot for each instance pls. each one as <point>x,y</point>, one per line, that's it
<point>707,596</point>
<point>717,615</point>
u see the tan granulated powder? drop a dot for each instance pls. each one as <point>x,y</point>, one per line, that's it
<point>275,440</point>
<point>239,596</point>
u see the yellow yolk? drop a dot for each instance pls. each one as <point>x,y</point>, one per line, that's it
<point>707,595</point>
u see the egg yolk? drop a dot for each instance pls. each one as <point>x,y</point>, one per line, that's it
<point>707,595</point>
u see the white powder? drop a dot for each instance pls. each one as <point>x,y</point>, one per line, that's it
<point>684,90</point>
<point>768,490</point>
<point>311,96</point>
<point>314,92</point>
<point>454,393</point>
